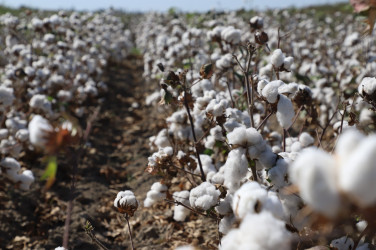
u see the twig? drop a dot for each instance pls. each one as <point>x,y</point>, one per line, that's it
<point>246,73</point>
<point>74,174</point>
<point>264,121</point>
<point>203,178</point>
<point>178,203</point>
<point>89,231</point>
<point>129,230</point>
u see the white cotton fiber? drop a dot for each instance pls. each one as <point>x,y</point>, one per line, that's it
<point>258,231</point>
<point>270,91</point>
<point>358,173</point>
<point>306,139</point>
<point>180,212</point>
<point>314,172</point>
<point>235,169</point>
<point>252,198</point>
<point>346,144</point>
<point>238,136</point>
<point>342,243</point>
<point>226,223</point>
<point>277,58</point>
<point>156,193</point>
<point>367,86</point>
<point>285,112</point>
<point>38,131</point>
<point>204,196</point>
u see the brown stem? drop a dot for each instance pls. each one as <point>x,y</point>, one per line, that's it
<point>203,178</point>
<point>77,158</point>
<point>129,230</point>
<point>264,121</point>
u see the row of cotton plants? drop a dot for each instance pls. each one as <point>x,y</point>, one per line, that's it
<point>270,131</point>
<point>51,74</point>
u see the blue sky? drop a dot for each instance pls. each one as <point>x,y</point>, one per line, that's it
<point>163,5</point>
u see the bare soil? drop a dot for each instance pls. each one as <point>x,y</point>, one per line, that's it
<point>114,160</point>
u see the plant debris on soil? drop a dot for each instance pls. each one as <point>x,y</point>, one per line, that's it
<point>114,160</point>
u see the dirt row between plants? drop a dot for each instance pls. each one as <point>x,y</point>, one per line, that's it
<point>114,160</point>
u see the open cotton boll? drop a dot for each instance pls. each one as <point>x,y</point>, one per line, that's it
<point>41,102</point>
<point>238,136</point>
<point>226,223</point>
<point>6,97</point>
<point>267,158</point>
<point>235,168</point>
<point>346,144</point>
<point>342,243</point>
<point>314,171</point>
<point>224,62</point>
<point>287,63</point>
<point>204,196</point>
<point>367,86</point>
<point>126,202</point>
<point>261,85</point>
<point>277,174</point>
<point>186,247</point>
<point>22,135</point>
<point>207,165</point>
<point>258,231</point>
<point>180,212</point>
<point>357,174</point>
<point>156,193</point>
<point>285,112</point>
<point>39,128</point>
<point>306,139</point>
<point>25,179</point>
<point>231,35</point>
<point>224,206</point>
<point>252,198</point>
<point>277,58</point>
<point>270,91</point>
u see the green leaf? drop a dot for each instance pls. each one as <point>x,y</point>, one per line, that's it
<point>51,168</point>
<point>208,151</point>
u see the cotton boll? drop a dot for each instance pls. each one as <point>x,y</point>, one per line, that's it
<point>277,58</point>
<point>314,171</point>
<point>226,223</point>
<point>38,131</point>
<point>285,112</point>
<point>180,212</point>
<point>4,133</point>
<point>349,140</point>
<point>235,169</point>
<point>238,136</point>
<point>267,158</point>
<point>22,135</point>
<point>126,202</point>
<point>261,85</point>
<point>156,193</point>
<point>361,225</point>
<point>6,97</point>
<point>26,178</point>
<point>252,198</point>
<point>274,205</point>
<point>296,147</point>
<point>204,196</point>
<point>357,173</point>
<point>367,86</point>
<point>224,206</point>
<point>277,174</point>
<point>306,139</point>
<point>287,63</point>
<point>270,91</point>
<point>258,231</point>
<point>41,102</point>
<point>342,243</point>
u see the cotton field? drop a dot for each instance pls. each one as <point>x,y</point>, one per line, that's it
<point>258,129</point>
